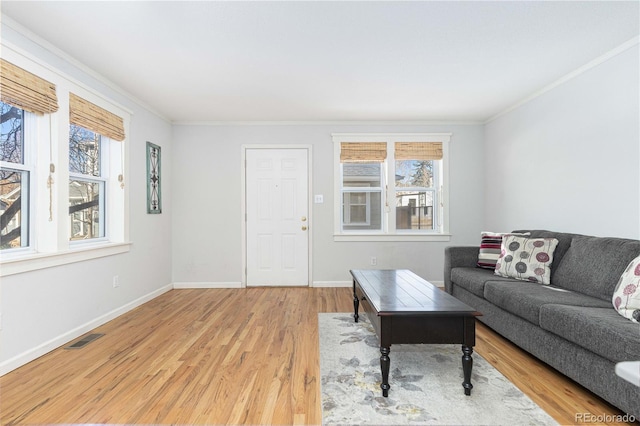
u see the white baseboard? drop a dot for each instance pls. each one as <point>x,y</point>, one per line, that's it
<point>186,285</point>
<point>332,283</point>
<point>28,356</point>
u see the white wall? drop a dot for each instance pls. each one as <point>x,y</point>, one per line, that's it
<point>207,220</point>
<point>46,308</point>
<point>569,160</point>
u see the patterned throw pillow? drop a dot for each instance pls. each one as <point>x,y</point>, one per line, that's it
<point>526,259</point>
<point>626,297</point>
<point>490,243</point>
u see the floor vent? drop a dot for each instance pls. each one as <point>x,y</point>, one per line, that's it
<point>84,341</point>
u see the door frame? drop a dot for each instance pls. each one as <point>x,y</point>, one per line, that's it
<point>243,191</point>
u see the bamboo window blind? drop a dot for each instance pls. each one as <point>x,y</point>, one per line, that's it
<point>25,90</point>
<point>354,152</point>
<point>418,151</point>
<point>90,116</point>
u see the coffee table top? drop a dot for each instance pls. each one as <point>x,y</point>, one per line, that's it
<point>400,291</point>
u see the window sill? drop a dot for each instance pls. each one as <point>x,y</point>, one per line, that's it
<point>390,237</point>
<point>27,262</point>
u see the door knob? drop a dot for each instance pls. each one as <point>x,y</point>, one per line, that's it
<point>304,218</point>
<point>304,228</point>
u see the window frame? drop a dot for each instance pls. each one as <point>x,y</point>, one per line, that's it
<point>49,210</point>
<point>29,139</point>
<point>103,180</point>
<point>388,230</point>
<point>437,178</point>
<point>367,190</point>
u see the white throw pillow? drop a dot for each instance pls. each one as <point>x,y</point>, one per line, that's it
<point>626,297</point>
<point>527,259</point>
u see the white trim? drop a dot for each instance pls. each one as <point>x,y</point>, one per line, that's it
<point>397,137</point>
<point>32,262</point>
<point>329,284</point>
<point>331,123</point>
<point>73,62</point>
<point>19,56</point>
<point>204,284</point>
<point>439,284</point>
<point>31,354</point>
<point>570,76</point>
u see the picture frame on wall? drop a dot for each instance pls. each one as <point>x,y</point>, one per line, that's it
<point>154,179</point>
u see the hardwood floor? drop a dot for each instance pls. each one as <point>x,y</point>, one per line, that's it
<point>227,356</point>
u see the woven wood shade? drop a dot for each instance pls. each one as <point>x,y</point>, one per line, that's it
<point>92,117</point>
<point>27,91</point>
<point>418,150</point>
<point>359,152</point>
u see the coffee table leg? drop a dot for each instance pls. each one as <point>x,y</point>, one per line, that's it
<point>356,303</point>
<point>385,363</point>
<point>467,365</point>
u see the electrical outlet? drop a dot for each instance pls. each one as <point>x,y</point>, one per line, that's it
<point>374,261</point>
<point>116,281</point>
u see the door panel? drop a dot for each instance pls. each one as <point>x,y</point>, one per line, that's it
<point>277,204</point>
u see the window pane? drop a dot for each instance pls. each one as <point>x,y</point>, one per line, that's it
<point>14,215</point>
<point>414,173</point>
<point>84,209</point>
<point>414,210</point>
<point>11,134</point>
<point>361,174</point>
<point>84,151</point>
<point>362,211</point>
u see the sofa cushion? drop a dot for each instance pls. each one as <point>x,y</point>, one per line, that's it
<point>593,265</point>
<point>525,299</point>
<point>473,279</point>
<point>525,258</point>
<point>600,330</point>
<point>626,296</point>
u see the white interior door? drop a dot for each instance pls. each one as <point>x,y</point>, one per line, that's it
<point>277,217</point>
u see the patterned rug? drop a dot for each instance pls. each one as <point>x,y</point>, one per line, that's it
<point>426,383</point>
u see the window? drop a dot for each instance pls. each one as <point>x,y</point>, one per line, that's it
<point>391,186</point>
<point>15,173</point>
<point>87,184</point>
<point>362,196</point>
<point>48,216</point>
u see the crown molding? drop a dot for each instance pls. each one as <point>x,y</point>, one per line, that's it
<point>331,123</point>
<point>570,76</point>
<point>49,47</point>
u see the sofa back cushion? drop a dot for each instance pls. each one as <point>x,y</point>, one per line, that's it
<point>594,265</point>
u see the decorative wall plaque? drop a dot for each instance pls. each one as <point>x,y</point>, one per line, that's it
<point>154,195</point>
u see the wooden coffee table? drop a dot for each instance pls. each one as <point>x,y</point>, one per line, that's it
<point>404,308</point>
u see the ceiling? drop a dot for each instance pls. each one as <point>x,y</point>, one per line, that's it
<point>203,61</point>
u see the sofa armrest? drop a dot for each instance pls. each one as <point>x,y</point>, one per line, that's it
<point>458,256</point>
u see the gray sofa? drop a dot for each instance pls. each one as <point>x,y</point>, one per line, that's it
<point>571,324</point>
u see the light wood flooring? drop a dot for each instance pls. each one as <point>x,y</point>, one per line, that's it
<point>227,356</point>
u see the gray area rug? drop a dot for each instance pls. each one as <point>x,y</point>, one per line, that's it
<point>426,383</point>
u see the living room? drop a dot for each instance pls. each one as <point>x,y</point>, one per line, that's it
<point>561,153</point>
